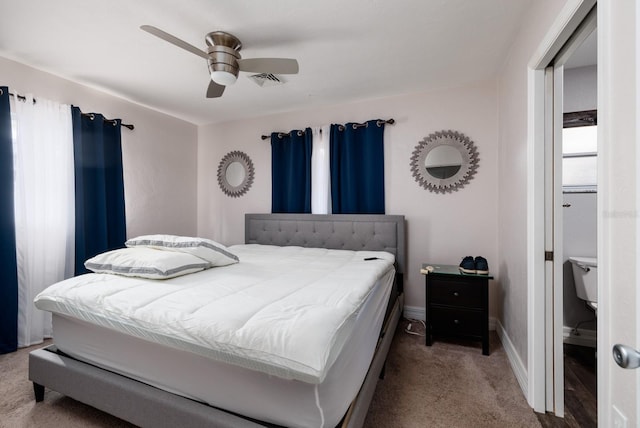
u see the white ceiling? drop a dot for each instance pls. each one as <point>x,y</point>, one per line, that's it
<point>348,50</point>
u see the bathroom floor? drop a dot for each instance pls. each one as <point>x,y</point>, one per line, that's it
<point>580,390</point>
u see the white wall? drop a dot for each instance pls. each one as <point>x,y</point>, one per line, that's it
<point>441,228</point>
<point>513,169</point>
<point>159,156</point>
<point>579,239</point>
<point>580,89</point>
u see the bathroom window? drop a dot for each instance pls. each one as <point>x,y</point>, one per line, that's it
<point>579,156</point>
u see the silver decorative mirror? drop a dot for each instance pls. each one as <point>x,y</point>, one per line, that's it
<point>235,174</point>
<point>444,161</point>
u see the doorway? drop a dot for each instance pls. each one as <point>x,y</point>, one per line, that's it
<point>570,222</point>
<point>546,257</point>
<point>618,205</point>
<point>571,225</point>
<point>570,183</point>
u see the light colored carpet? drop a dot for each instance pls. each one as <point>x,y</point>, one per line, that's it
<point>447,385</point>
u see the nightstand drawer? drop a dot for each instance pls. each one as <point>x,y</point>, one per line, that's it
<point>456,321</point>
<point>456,293</point>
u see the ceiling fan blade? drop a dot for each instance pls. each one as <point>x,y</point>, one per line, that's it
<point>214,90</point>
<point>269,65</point>
<point>174,40</point>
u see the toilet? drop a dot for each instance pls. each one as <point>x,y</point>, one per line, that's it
<point>585,277</point>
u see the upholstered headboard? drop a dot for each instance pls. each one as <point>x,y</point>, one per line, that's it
<point>376,232</point>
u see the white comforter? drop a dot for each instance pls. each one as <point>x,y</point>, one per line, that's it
<point>285,311</point>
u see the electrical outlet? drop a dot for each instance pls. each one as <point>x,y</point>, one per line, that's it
<point>619,419</point>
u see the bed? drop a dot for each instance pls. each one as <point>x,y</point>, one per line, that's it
<point>122,371</point>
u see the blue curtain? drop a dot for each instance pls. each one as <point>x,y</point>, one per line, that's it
<point>291,172</point>
<point>100,213</point>
<point>8,264</point>
<point>357,168</point>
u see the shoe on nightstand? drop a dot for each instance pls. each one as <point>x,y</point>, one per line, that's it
<point>482,266</point>
<point>467,265</point>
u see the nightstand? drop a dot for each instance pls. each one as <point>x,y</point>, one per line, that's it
<point>457,304</point>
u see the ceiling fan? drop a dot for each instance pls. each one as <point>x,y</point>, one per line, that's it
<point>224,60</point>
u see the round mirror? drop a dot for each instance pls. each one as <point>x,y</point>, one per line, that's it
<point>235,174</point>
<point>444,161</point>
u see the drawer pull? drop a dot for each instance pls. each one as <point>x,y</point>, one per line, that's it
<point>455,293</point>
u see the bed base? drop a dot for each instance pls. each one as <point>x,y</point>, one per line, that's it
<point>148,406</point>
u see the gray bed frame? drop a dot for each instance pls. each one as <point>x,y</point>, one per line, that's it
<point>147,406</point>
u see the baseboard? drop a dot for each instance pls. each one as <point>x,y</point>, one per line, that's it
<point>583,337</point>
<point>414,313</point>
<point>517,366</point>
<point>418,313</point>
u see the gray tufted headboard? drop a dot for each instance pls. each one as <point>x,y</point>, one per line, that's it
<point>376,232</point>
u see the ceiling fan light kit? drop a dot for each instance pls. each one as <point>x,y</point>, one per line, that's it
<point>224,78</point>
<point>224,60</point>
<point>223,49</point>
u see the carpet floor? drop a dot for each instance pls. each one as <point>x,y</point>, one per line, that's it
<point>450,384</point>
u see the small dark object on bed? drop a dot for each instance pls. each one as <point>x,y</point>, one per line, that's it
<point>366,259</point>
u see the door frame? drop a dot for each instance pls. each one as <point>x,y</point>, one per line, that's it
<point>541,319</point>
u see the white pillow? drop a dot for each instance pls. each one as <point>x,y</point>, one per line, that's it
<point>211,251</point>
<point>145,263</point>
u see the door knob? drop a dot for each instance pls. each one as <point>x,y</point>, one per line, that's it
<point>626,356</point>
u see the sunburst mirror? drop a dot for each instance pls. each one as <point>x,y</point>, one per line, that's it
<point>235,174</point>
<point>444,161</point>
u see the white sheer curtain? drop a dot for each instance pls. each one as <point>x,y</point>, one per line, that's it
<point>44,207</point>
<point>320,172</point>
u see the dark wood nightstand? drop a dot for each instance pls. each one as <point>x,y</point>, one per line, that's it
<point>457,304</point>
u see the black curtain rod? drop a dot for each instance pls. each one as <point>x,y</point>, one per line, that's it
<point>360,125</point>
<point>19,97</point>
<point>283,134</point>
<point>355,125</point>
<point>111,121</point>
<point>90,115</point>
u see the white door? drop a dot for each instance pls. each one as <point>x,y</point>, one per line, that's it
<point>554,355</point>
<point>557,285</point>
<point>618,208</point>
